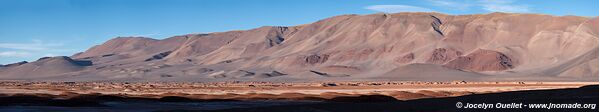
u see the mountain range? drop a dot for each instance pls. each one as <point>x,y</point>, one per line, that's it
<point>418,46</point>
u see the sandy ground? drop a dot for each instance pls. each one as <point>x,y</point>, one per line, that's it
<point>249,90</point>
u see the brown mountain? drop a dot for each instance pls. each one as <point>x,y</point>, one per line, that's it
<point>400,46</point>
<point>45,67</point>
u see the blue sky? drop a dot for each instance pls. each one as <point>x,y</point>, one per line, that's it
<point>30,29</point>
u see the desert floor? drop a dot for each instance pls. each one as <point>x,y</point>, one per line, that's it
<point>281,91</point>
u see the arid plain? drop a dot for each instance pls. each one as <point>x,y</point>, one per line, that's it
<point>278,91</point>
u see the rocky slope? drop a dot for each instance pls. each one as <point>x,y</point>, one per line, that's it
<point>400,46</point>
<point>45,67</point>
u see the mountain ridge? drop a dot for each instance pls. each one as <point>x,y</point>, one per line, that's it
<point>360,47</point>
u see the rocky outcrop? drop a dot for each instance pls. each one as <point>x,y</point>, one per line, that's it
<point>328,74</point>
<point>405,59</point>
<point>436,24</point>
<point>247,73</point>
<point>482,60</point>
<point>67,61</point>
<point>268,75</point>
<point>319,73</point>
<point>314,59</point>
<point>159,56</point>
<point>443,55</point>
<point>275,36</point>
